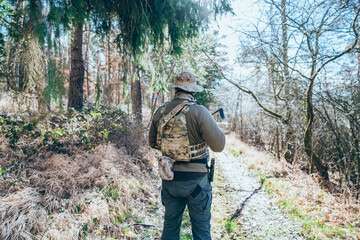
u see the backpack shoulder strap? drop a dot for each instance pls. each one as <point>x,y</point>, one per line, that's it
<point>170,115</point>
<point>165,119</point>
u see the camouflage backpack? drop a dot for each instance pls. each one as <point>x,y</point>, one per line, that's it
<point>172,137</point>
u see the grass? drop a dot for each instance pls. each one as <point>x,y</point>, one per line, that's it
<point>235,153</point>
<point>222,206</point>
<point>321,215</point>
<point>185,232</point>
<point>311,211</point>
<point>230,225</point>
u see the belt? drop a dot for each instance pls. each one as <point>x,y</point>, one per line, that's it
<point>184,176</point>
<point>190,170</point>
<point>190,167</point>
<point>203,160</point>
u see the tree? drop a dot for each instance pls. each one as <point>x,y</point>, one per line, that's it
<point>290,139</point>
<point>312,25</point>
<point>136,94</point>
<point>76,86</point>
<point>25,62</point>
<point>260,49</point>
<point>139,21</point>
<point>313,31</point>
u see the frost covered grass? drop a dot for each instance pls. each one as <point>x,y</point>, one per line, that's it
<point>223,206</point>
<point>321,214</point>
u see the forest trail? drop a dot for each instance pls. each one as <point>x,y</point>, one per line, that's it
<point>261,218</point>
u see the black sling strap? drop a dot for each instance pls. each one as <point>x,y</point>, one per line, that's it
<point>199,187</point>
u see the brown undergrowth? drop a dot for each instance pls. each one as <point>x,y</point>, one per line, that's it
<point>71,191</point>
<point>322,214</point>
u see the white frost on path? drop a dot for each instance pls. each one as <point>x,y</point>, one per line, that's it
<point>261,218</point>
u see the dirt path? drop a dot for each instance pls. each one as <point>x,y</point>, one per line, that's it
<point>261,218</point>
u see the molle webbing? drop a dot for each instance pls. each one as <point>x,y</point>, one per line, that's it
<point>198,151</point>
<point>167,118</point>
<point>172,137</point>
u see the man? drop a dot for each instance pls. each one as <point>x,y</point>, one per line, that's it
<point>188,146</point>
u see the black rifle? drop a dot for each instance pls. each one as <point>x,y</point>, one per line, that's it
<point>211,168</point>
<point>221,111</point>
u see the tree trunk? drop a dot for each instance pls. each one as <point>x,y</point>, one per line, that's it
<point>356,135</point>
<point>315,160</point>
<point>356,144</point>
<point>236,114</point>
<point>119,69</point>
<point>87,63</point>
<point>76,85</point>
<point>156,97</point>
<point>277,139</point>
<point>98,83</point>
<point>106,81</point>
<point>136,94</point>
<point>109,86</point>
<point>289,136</point>
<point>272,84</point>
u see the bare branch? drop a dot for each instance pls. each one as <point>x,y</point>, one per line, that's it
<point>243,89</point>
<point>352,47</point>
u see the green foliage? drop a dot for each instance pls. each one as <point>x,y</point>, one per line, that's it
<point>2,47</point>
<point>235,153</point>
<point>183,18</point>
<point>185,236</point>
<point>77,208</point>
<point>185,233</point>
<point>36,23</point>
<point>6,11</point>
<point>162,67</point>
<point>5,8</point>
<point>83,130</point>
<point>205,97</point>
<point>13,130</point>
<point>3,173</point>
<point>139,20</point>
<point>84,227</point>
<point>230,226</point>
<point>55,89</point>
<point>122,218</point>
<point>21,18</point>
<point>111,192</point>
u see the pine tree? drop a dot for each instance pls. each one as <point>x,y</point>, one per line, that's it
<point>139,21</point>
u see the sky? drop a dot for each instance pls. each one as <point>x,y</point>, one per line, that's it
<point>229,27</point>
<point>245,11</point>
<point>248,12</point>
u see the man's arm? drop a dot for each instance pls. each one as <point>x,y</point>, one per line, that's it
<point>209,130</point>
<point>153,130</point>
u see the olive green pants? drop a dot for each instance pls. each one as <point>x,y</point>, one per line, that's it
<point>174,197</point>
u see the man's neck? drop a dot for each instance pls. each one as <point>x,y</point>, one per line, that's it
<point>183,95</point>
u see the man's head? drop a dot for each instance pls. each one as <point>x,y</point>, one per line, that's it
<point>187,82</point>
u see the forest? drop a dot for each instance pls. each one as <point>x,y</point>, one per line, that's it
<point>80,80</point>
